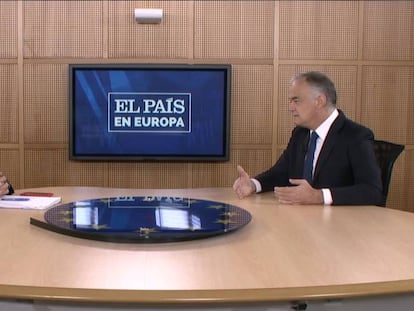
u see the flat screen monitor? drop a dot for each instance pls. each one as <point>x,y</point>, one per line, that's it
<point>149,112</point>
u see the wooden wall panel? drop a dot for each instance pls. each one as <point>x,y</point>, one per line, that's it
<point>410,111</point>
<point>387,96</point>
<point>252,97</point>
<point>9,166</point>
<point>8,103</point>
<point>147,175</point>
<point>318,29</point>
<point>169,39</point>
<point>233,29</point>
<point>8,29</point>
<point>221,174</point>
<point>408,194</point>
<point>253,160</point>
<point>345,79</point>
<point>50,167</point>
<point>63,29</point>
<point>388,30</point>
<point>386,107</point>
<point>45,103</point>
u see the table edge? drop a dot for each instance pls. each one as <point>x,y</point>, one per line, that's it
<point>216,296</point>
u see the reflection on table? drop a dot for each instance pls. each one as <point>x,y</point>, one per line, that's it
<point>145,219</point>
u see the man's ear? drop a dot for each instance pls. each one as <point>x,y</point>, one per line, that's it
<point>322,101</point>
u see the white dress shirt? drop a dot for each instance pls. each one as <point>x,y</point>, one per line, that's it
<point>322,132</point>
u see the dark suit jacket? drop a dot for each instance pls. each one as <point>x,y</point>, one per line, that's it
<point>346,164</point>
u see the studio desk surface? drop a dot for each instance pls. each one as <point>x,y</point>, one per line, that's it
<point>285,253</point>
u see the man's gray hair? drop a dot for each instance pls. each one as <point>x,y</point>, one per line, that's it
<point>320,82</point>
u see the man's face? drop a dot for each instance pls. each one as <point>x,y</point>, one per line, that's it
<point>303,104</point>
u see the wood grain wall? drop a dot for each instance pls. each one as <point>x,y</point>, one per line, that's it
<point>367,47</point>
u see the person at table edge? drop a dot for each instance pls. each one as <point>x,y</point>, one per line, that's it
<point>345,170</point>
<point>5,186</point>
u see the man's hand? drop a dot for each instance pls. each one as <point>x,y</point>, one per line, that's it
<point>4,185</point>
<point>243,186</point>
<point>300,193</point>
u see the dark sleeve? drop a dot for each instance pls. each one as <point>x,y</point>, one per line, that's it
<point>366,188</point>
<point>290,163</point>
<point>277,175</point>
<point>11,190</point>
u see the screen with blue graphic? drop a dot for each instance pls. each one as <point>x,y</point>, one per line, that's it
<point>149,112</point>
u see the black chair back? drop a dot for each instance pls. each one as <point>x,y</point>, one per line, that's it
<point>386,153</point>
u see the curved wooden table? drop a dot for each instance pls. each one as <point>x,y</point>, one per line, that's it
<point>287,253</point>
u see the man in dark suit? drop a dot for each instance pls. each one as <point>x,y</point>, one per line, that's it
<point>343,167</point>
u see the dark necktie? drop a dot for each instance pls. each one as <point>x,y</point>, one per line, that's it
<point>308,165</point>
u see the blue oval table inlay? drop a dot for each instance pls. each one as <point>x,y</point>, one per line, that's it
<point>144,219</point>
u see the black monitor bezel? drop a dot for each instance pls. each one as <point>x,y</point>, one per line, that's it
<point>225,156</point>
